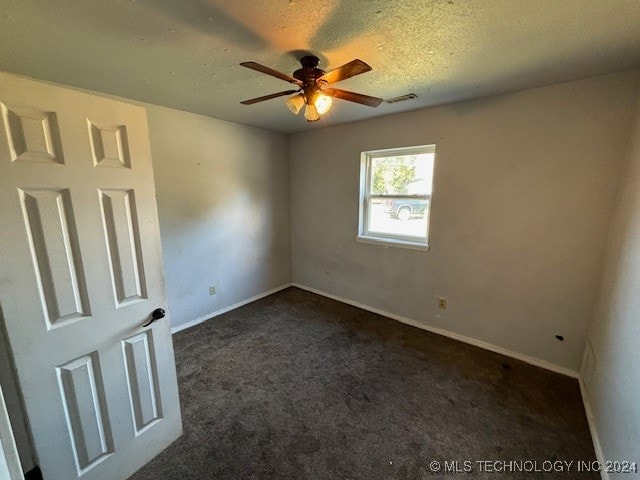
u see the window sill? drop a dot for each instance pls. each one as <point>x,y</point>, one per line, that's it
<point>388,242</point>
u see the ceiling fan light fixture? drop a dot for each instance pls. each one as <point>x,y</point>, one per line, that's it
<point>311,83</point>
<point>311,113</point>
<point>295,103</point>
<point>322,103</point>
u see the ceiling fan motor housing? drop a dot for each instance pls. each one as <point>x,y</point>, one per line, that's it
<point>308,75</point>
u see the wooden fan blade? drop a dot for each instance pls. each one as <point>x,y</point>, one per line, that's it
<point>353,97</point>
<point>268,97</point>
<point>270,71</point>
<point>348,70</point>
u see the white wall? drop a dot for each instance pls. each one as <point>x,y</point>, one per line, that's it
<point>523,191</point>
<point>612,374</point>
<point>223,203</point>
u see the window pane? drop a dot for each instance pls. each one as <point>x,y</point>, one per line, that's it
<point>396,194</point>
<point>402,175</point>
<point>399,217</point>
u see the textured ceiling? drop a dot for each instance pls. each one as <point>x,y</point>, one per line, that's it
<point>184,54</point>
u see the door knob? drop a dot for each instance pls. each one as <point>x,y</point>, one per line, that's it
<point>157,314</point>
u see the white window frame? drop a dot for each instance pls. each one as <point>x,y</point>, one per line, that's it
<point>389,239</point>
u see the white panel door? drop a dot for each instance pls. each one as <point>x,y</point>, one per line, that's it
<point>81,273</point>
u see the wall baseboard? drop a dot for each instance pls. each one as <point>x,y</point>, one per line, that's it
<point>592,428</point>
<point>208,316</point>
<point>446,333</point>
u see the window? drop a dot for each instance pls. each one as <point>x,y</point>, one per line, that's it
<point>395,196</point>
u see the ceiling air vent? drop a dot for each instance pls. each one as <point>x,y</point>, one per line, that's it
<point>402,98</point>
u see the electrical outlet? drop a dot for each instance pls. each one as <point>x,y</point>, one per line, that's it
<point>212,290</point>
<point>442,303</point>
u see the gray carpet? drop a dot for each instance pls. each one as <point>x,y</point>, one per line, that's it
<point>297,386</point>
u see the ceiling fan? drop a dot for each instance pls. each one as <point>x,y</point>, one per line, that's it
<point>312,84</point>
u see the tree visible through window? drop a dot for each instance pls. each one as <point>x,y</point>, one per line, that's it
<point>395,195</point>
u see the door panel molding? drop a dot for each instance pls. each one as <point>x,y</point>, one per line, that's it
<point>123,240</point>
<point>109,145</point>
<point>86,413</point>
<point>33,136</point>
<point>142,380</point>
<point>53,241</point>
